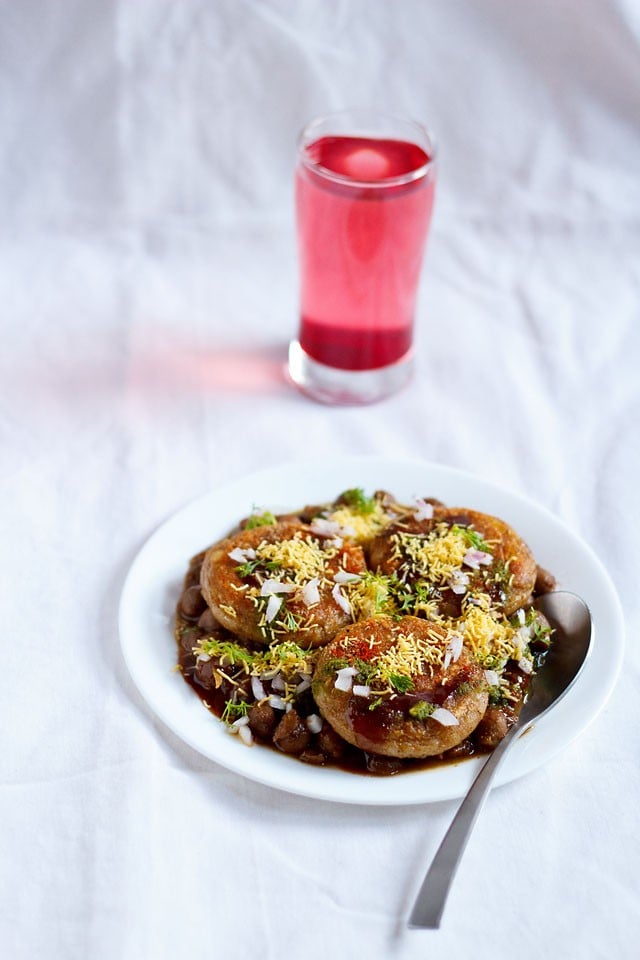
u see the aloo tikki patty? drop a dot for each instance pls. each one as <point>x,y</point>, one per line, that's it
<point>400,688</point>
<point>281,581</point>
<point>451,553</point>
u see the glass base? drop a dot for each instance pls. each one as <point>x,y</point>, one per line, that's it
<point>331,385</point>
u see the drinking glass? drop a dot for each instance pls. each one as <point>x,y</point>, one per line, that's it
<point>364,195</point>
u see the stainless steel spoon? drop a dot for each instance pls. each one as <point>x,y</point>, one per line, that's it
<point>571,620</point>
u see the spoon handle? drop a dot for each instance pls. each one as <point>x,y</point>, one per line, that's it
<point>432,897</point>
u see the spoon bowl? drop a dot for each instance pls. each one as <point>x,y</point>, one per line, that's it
<point>570,619</point>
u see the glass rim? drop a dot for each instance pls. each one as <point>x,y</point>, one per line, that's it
<point>419,173</point>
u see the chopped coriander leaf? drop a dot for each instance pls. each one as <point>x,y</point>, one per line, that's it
<point>413,600</point>
<point>500,572</point>
<point>473,538</point>
<point>265,519</point>
<point>375,703</point>
<point>492,661</point>
<point>422,594</point>
<point>366,670</point>
<point>422,710</point>
<point>288,650</point>
<point>286,658</point>
<point>226,650</point>
<point>288,620</point>
<point>234,710</point>
<point>400,683</point>
<point>496,696</point>
<point>541,633</point>
<point>246,569</point>
<point>335,664</point>
<point>402,594</point>
<point>405,601</point>
<point>357,500</point>
<point>376,588</point>
<point>250,566</point>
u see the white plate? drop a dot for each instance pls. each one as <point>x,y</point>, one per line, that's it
<point>153,586</point>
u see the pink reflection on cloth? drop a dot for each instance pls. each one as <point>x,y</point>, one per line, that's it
<point>229,370</point>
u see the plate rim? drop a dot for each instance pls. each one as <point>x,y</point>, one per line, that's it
<point>322,783</point>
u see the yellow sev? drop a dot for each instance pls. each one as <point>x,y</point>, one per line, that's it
<point>301,559</point>
<point>411,655</point>
<point>365,526</point>
<point>434,557</point>
<point>487,635</point>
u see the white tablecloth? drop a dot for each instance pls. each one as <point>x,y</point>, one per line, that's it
<point>148,289</point>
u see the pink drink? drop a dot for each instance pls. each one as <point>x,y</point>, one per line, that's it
<point>364,206</point>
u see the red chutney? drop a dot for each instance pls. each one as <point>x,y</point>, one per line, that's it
<point>359,649</point>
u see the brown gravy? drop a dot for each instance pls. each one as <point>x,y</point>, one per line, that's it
<point>325,747</point>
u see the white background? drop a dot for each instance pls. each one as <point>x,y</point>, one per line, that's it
<point>148,289</point>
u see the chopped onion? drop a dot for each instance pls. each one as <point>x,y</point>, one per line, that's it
<point>477,558</point>
<point>240,555</point>
<point>361,690</point>
<point>454,649</point>
<point>203,658</point>
<point>304,684</point>
<point>458,582</point>
<point>340,599</point>
<point>521,642</point>
<point>520,616</point>
<point>237,724</point>
<point>277,703</point>
<point>314,723</point>
<point>276,586</point>
<point>273,606</point>
<point>492,678</point>
<point>525,665</point>
<point>310,592</point>
<point>423,511</point>
<point>444,717</point>
<point>344,679</point>
<point>343,576</point>
<point>269,674</point>
<point>257,689</point>
<point>330,528</point>
<point>278,683</point>
<point>325,528</point>
<point>246,736</point>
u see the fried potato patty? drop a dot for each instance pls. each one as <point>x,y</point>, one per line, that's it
<point>400,688</point>
<point>458,551</point>
<point>281,581</point>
